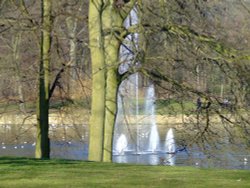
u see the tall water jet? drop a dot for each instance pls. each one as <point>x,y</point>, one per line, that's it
<point>121,145</point>
<point>136,112</point>
<point>154,139</point>
<point>127,121</point>
<point>170,146</point>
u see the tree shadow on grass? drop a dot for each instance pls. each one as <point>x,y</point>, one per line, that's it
<point>19,161</point>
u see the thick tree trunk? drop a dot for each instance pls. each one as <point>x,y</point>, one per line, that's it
<point>105,22</point>
<point>98,82</point>
<point>42,143</point>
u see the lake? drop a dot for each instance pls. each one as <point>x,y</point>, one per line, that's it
<point>71,142</point>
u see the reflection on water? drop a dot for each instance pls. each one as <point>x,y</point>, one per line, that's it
<point>73,144</point>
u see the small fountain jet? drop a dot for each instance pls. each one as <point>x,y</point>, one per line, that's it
<point>170,147</point>
<point>121,145</point>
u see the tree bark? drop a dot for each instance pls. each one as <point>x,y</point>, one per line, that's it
<point>105,22</point>
<point>43,143</point>
<point>98,82</point>
<point>16,59</point>
<point>72,23</point>
<point>111,59</point>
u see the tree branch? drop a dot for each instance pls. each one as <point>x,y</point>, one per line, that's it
<point>56,80</point>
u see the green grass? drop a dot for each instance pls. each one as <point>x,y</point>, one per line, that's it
<point>22,172</point>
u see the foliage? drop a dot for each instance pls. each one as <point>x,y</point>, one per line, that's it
<point>195,49</point>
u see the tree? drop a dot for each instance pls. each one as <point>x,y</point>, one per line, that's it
<point>20,33</point>
<point>105,33</point>
<point>196,37</point>
<point>194,49</point>
<point>43,143</point>
<point>16,61</point>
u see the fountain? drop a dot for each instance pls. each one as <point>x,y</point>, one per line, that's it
<point>121,145</point>
<point>136,117</point>
<point>170,142</point>
<point>136,102</point>
<point>170,159</point>
<point>154,139</point>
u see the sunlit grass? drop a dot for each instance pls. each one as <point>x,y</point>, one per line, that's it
<point>22,172</point>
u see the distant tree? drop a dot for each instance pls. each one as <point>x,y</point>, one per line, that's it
<point>16,60</point>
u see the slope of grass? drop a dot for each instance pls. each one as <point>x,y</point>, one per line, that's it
<point>22,172</point>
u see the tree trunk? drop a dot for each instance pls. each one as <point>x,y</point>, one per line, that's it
<point>16,59</point>
<point>42,143</point>
<point>105,22</point>
<point>111,60</point>
<point>71,27</point>
<point>71,23</point>
<point>98,82</point>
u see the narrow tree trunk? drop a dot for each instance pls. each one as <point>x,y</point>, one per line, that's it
<point>42,143</point>
<point>71,23</point>
<point>72,26</point>
<point>198,77</point>
<point>111,59</point>
<point>16,59</point>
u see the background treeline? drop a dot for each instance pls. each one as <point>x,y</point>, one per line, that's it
<point>20,53</point>
<point>193,49</point>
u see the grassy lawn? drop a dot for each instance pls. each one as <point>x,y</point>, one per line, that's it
<point>22,172</point>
